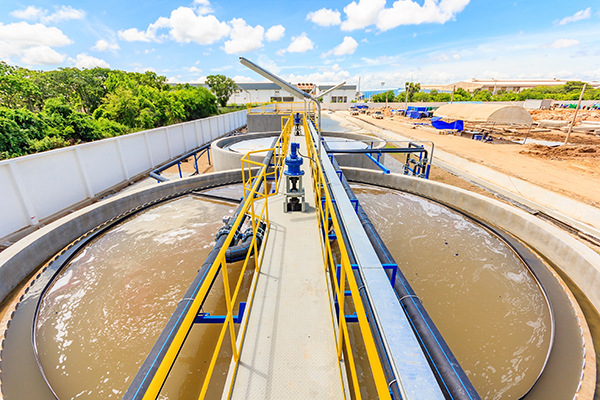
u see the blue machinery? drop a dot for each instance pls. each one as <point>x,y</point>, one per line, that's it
<point>294,192</point>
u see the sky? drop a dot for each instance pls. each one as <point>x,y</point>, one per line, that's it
<point>381,43</point>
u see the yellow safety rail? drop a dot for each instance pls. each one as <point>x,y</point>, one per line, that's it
<point>280,108</point>
<point>255,189</point>
<point>326,213</point>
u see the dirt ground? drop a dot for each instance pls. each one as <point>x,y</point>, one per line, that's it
<point>188,168</point>
<point>570,170</point>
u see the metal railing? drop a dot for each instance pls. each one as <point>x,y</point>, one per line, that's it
<point>328,221</point>
<point>255,192</point>
<point>280,108</point>
<point>256,188</point>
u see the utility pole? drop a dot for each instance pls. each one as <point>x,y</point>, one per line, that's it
<point>452,96</point>
<point>575,115</point>
<point>406,99</point>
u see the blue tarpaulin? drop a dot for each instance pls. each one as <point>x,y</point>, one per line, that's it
<point>439,124</point>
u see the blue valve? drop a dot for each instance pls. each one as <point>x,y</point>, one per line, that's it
<point>294,161</point>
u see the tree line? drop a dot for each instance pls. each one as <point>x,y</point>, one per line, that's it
<point>568,91</point>
<point>44,110</point>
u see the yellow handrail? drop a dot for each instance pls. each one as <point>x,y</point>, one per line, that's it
<point>252,194</point>
<point>326,213</point>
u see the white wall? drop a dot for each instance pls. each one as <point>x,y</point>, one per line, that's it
<point>37,186</point>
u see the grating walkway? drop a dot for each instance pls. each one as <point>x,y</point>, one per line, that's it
<point>289,351</point>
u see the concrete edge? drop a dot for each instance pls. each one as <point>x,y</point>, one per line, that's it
<point>29,253</point>
<point>580,263</point>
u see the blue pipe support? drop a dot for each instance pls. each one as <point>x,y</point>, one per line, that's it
<point>206,318</point>
<point>380,165</point>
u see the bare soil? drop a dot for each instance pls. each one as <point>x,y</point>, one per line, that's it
<point>569,170</point>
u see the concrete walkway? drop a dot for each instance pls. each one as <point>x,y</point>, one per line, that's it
<point>289,351</point>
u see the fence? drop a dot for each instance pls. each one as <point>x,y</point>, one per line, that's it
<point>38,186</point>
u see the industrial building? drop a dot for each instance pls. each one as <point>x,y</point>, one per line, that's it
<point>267,92</point>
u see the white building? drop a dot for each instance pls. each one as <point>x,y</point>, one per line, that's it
<point>344,94</point>
<point>268,92</point>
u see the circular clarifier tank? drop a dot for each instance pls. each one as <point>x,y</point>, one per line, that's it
<point>227,152</point>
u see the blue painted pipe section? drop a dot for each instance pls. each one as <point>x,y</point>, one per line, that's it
<point>380,165</point>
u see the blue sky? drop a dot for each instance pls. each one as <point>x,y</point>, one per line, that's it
<point>428,41</point>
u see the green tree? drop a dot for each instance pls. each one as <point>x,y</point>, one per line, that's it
<point>412,88</point>
<point>197,102</point>
<point>421,96</point>
<point>461,94</point>
<point>482,95</point>
<point>381,97</point>
<point>222,87</point>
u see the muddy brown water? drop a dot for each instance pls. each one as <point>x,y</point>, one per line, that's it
<point>103,314</point>
<point>481,296</point>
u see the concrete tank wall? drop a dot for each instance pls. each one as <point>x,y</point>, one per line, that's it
<point>265,122</point>
<point>224,159</point>
<point>580,263</point>
<point>25,256</point>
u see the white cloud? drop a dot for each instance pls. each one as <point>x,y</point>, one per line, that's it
<point>221,68</point>
<point>268,64</point>
<point>243,37</point>
<point>22,34</point>
<point>325,17</point>
<point>32,42</point>
<point>348,46</point>
<point>564,43</point>
<point>441,77</point>
<point>407,12</point>
<point>382,60</point>
<point>403,12</point>
<point>578,16</point>
<point>202,79</point>
<point>64,13</point>
<point>31,13</point>
<point>202,7</point>
<point>188,27</point>
<point>42,55</point>
<point>300,44</point>
<point>325,77</point>
<point>275,33</point>
<point>103,45</point>
<point>85,61</point>
<point>173,79</point>
<point>133,35</point>
<point>194,70</point>
<point>184,26</point>
<point>242,79</point>
<point>445,57</point>
<point>362,14</point>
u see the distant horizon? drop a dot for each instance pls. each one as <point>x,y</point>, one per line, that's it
<point>435,43</point>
